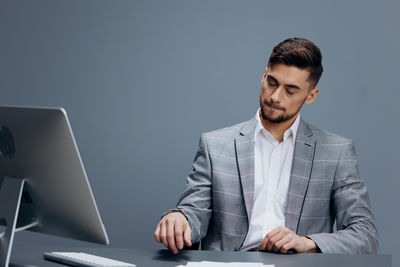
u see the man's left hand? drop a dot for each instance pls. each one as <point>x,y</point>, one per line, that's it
<point>281,239</point>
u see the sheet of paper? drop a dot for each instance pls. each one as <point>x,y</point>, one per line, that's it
<point>224,264</point>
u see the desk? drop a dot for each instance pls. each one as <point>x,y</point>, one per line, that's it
<point>149,258</point>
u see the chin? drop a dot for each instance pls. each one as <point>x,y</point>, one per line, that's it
<point>270,114</point>
<point>272,119</point>
<point>276,120</point>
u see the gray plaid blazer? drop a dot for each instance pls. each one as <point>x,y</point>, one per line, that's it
<point>324,187</point>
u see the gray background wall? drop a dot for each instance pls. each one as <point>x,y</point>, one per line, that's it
<point>142,79</point>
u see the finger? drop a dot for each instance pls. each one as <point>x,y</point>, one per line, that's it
<point>163,234</point>
<point>188,235</point>
<point>171,237</point>
<point>273,233</point>
<point>278,244</point>
<point>271,242</point>
<point>263,244</point>
<point>266,239</point>
<point>157,233</point>
<point>179,235</point>
<point>288,246</point>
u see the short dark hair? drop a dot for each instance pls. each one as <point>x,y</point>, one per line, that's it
<point>301,53</point>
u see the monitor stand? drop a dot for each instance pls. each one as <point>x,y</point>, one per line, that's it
<point>10,199</point>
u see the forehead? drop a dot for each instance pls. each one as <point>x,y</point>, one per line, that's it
<point>289,75</point>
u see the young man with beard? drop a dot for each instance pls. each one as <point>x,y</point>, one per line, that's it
<point>275,182</point>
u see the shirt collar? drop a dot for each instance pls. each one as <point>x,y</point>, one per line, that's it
<point>291,131</point>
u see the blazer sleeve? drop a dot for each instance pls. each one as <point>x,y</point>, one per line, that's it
<point>195,201</point>
<point>356,229</point>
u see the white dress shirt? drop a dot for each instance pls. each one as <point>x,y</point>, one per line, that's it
<point>272,166</point>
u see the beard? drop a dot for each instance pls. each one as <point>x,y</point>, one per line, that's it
<point>281,118</point>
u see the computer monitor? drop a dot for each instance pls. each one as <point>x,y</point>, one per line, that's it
<point>39,155</point>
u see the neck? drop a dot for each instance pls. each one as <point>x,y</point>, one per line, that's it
<point>277,130</point>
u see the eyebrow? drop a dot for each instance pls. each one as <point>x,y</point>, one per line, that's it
<point>287,85</point>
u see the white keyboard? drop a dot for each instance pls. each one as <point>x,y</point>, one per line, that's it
<point>84,260</point>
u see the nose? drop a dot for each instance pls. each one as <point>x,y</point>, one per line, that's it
<point>276,95</point>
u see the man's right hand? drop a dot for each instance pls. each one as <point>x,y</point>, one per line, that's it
<point>172,230</point>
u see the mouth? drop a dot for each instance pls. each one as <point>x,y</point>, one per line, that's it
<point>274,107</point>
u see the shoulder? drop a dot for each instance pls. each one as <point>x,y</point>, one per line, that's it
<point>229,132</point>
<point>224,135</point>
<point>324,137</point>
<point>221,141</point>
<point>245,128</point>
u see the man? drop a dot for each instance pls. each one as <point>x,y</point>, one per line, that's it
<point>275,182</point>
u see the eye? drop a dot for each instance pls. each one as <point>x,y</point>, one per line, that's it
<point>271,83</point>
<point>289,92</point>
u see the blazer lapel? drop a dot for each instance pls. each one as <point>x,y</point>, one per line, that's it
<point>244,145</point>
<point>300,175</point>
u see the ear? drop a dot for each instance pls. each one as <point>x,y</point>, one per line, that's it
<point>312,95</point>
<point>265,74</point>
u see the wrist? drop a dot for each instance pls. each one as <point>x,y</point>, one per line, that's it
<point>311,247</point>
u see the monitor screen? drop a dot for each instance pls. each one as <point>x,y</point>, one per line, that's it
<point>37,144</point>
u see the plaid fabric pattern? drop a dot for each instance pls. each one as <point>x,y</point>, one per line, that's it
<point>324,187</point>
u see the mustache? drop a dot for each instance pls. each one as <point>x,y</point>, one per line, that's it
<point>273,105</point>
